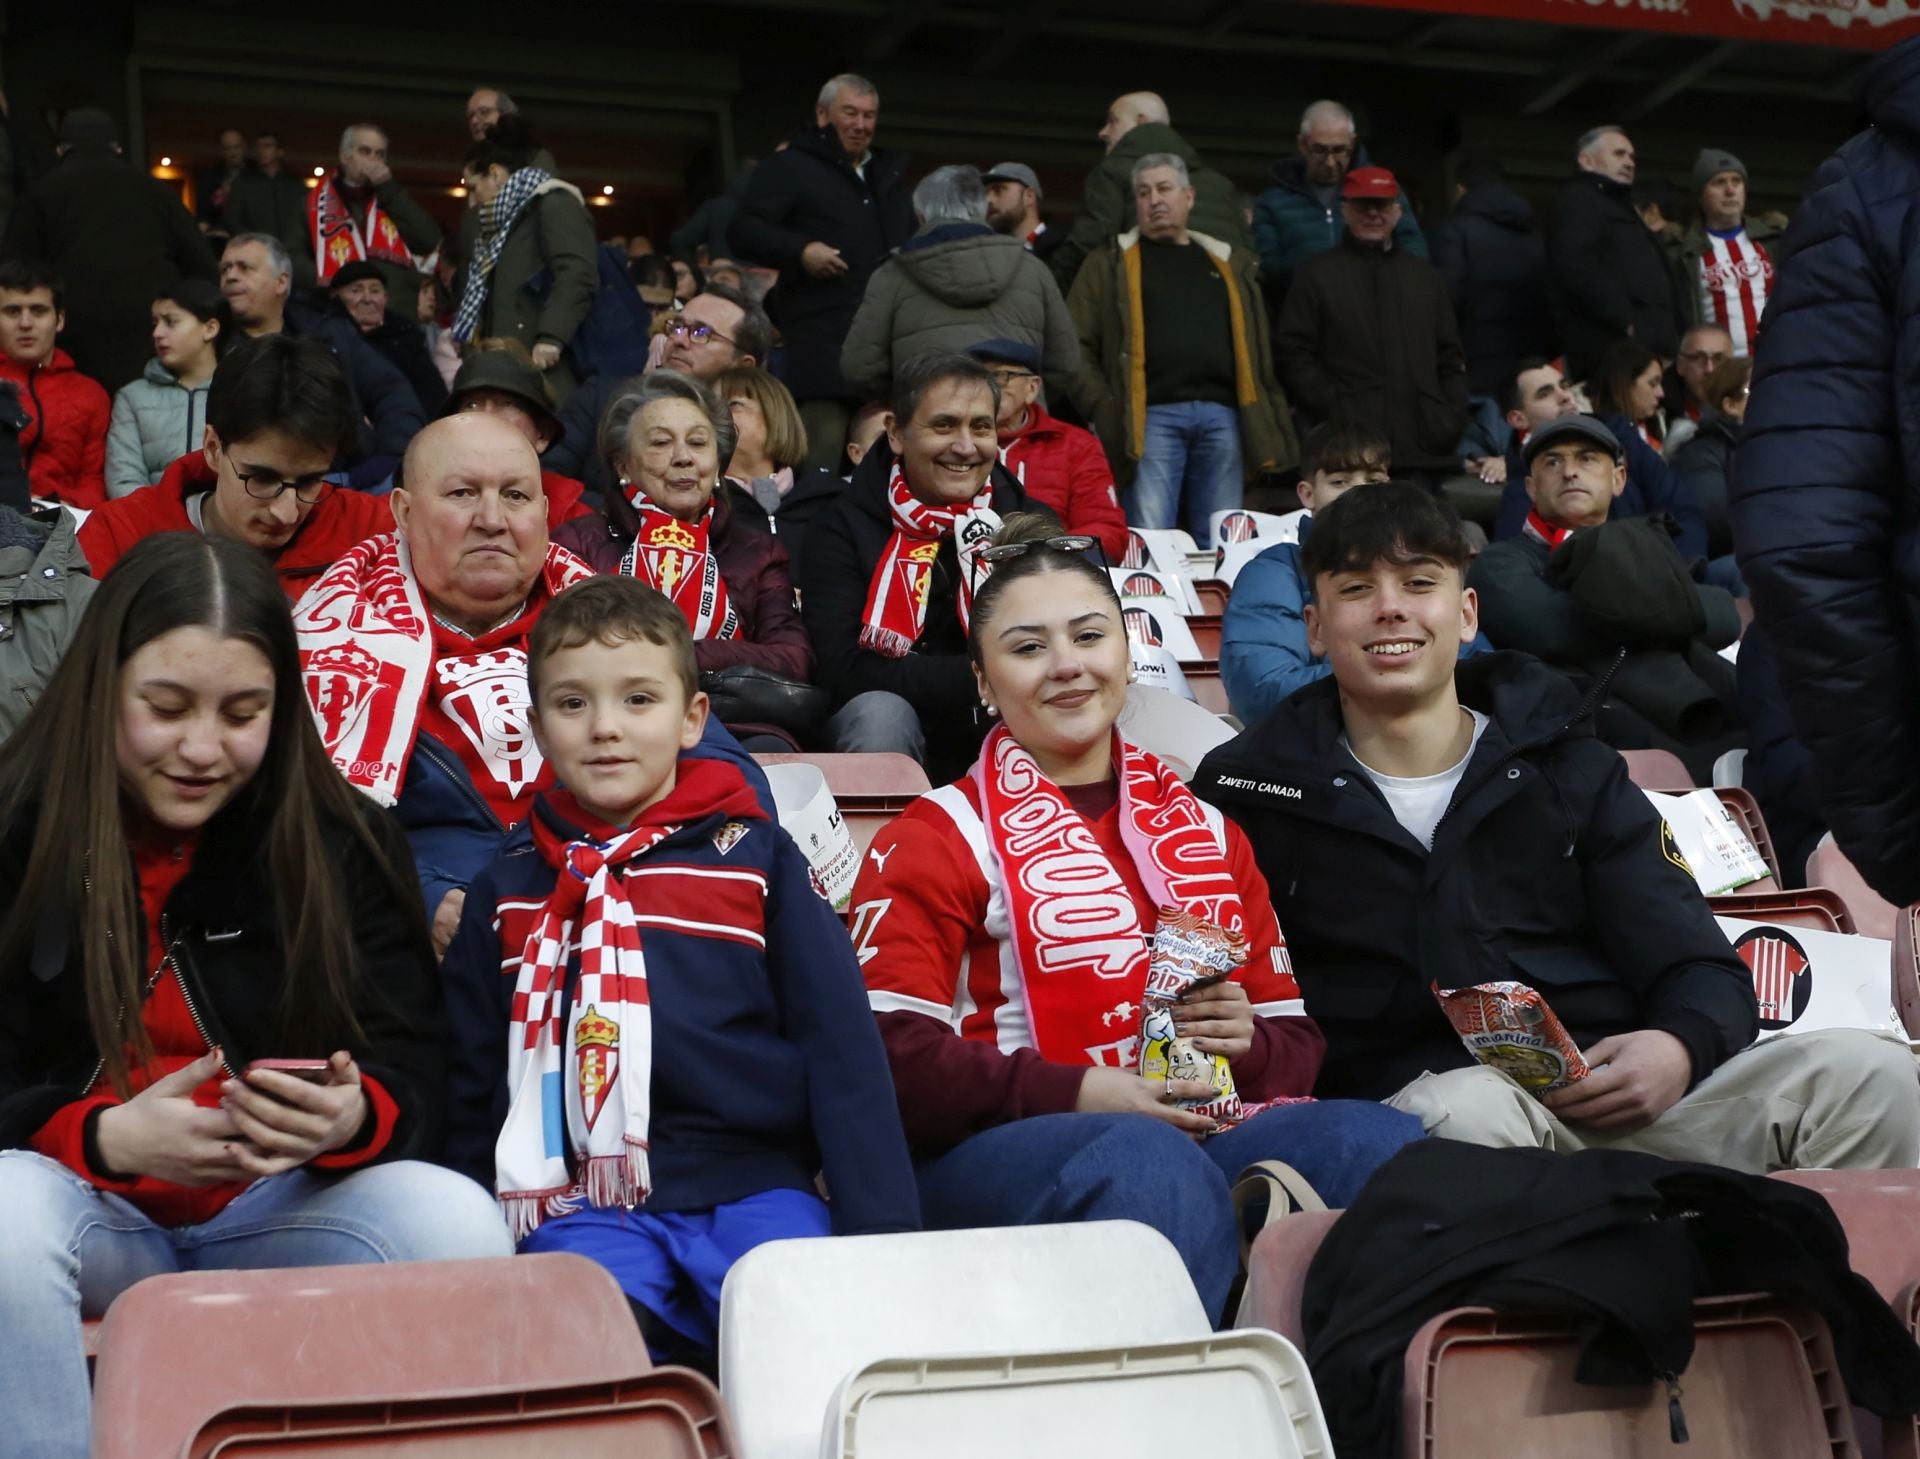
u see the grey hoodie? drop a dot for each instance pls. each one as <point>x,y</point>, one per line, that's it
<point>950,287</point>
<point>156,421</point>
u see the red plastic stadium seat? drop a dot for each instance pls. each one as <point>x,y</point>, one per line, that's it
<point>1763,1381</point>
<point>1746,810</point>
<point>1814,908</point>
<point>1906,970</point>
<point>671,1413</point>
<point>1209,692</point>
<point>1828,867</point>
<point>1277,1273</point>
<point>1206,632</point>
<point>1212,593</point>
<point>176,1350</point>
<point>1658,770</point>
<point>863,774</point>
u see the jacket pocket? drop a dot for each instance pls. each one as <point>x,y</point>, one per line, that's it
<point>1580,987</point>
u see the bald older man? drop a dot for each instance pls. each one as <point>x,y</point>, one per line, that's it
<point>413,648</point>
<point>1138,125</point>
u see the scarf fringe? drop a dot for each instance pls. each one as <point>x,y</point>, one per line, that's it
<point>619,1180</point>
<point>885,641</point>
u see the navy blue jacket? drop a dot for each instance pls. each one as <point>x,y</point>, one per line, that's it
<point>766,1063</point>
<point>384,402</point>
<point>1651,487</point>
<point>1495,266</point>
<point>1826,485</point>
<point>453,831</point>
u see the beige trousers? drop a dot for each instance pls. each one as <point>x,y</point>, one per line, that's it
<point>1840,1099</point>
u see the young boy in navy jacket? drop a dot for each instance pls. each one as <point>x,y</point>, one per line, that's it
<point>660,1029</point>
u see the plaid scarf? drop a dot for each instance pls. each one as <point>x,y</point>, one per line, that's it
<point>366,652</point>
<point>1078,946</point>
<point>339,241</point>
<point>581,1093</point>
<point>496,222</point>
<point>896,609</point>
<point>677,558</point>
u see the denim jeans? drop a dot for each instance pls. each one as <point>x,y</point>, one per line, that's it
<point>71,1249</point>
<point>875,721</point>
<point>1100,1167</point>
<point>1191,461</point>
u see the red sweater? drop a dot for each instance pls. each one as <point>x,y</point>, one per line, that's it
<point>339,521</point>
<point>64,446</point>
<point>177,1042</point>
<point>921,911</point>
<point>1064,469</point>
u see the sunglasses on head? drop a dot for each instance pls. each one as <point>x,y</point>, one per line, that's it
<point>1004,552</point>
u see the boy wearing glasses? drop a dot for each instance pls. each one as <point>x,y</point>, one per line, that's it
<point>278,414</point>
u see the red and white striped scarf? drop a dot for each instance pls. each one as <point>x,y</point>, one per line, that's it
<point>677,558</point>
<point>896,610</point>
<point>1077,940</point>
<point>585,1090</point>
<point>1541,530</point>
<point>366,653</point>
<point>338,240</point>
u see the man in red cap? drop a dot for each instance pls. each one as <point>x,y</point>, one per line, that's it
<point>1368,334</point>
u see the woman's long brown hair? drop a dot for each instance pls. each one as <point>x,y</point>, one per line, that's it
<point>60,768</point>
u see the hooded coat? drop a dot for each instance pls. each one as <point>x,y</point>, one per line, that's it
<point>1495,266</point>
<point>1826,488</point>
<point>949,287</point>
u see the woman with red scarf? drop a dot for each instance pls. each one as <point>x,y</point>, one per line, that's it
<point>666,437</point>
<point>1030,936</point>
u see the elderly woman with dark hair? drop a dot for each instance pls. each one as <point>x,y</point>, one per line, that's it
<point>666,437</point>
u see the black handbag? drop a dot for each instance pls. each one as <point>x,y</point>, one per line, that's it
<point>748,694</point>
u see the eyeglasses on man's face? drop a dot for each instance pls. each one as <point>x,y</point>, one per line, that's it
<point>264,484</point>
<point>697,333</point>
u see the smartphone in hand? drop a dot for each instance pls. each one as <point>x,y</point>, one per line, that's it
<point>314,1071</point>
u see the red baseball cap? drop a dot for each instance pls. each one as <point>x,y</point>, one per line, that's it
<point>1370,182</point>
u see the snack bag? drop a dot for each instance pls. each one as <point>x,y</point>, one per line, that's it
<point>1185,949</point>
<point>1508,1026</point>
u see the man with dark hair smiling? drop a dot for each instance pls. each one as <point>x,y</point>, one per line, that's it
<point>1425,824</point>
<point>888,578</point>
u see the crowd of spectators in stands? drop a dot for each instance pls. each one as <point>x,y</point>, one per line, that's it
<point>446,583</point>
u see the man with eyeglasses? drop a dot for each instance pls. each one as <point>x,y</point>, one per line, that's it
<point>1703,349</point>
<point>278,413</point>
<point>718,327</point>
<point>1062,467</point>
<point>1610,602</point>
<point>1300,215</point>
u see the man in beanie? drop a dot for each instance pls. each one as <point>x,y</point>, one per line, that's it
<point>116,237</point>
<point>1367,334</point>
<point>1723,258</point>
<point>360,293</point>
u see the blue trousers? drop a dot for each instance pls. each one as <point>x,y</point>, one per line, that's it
<point>673,1263</point>
<point>1098,1167</point>
<point>1190,467</point>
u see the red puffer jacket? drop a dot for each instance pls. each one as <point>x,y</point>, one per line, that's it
<point>1064,469</point>
<point>64,445</point>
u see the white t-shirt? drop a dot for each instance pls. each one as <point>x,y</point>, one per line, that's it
<point>1418,802</point>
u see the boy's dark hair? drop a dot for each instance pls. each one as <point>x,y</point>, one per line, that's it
<point>914,379</point>
<point>24,275</point>
<point>277,381</point>
<point>507,143</point>
<point>204,302</point>
<point>1526,365</point>
<point>1387,521</point>
<point>612,609</point>
<point>1344,445</point>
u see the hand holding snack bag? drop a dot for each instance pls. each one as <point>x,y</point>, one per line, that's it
<point>1509,1027</point>
<point>1187,951</point>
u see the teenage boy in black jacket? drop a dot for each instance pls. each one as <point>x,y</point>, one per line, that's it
<point>1423,823</point>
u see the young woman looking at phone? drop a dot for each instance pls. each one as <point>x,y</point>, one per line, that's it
<point>193,888</point>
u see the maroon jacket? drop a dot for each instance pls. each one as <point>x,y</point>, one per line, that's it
<point>753,565</point>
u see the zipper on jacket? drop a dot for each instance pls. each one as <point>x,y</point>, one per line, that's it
<point>153,981</point>
<point>39,419</point>
<point>459,777</point>
<point>186,996</point>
